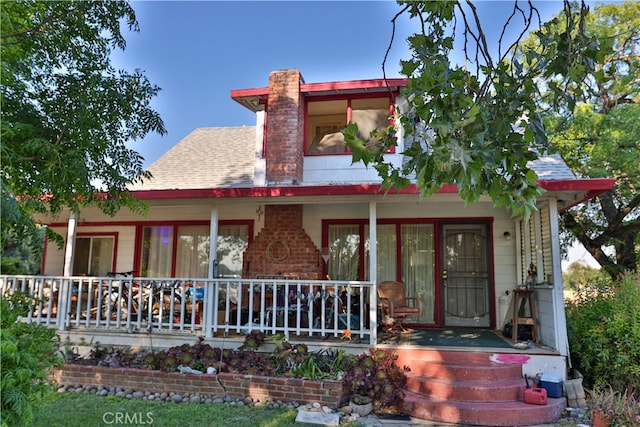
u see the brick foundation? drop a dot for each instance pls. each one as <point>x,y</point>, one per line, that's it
<point>259,388</point>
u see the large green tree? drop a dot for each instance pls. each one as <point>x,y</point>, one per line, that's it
<point>477,124</point>
<point>600,138</point>
<point>67,113</point>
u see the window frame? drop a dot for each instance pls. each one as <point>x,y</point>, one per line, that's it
<point>348,114</point>
<point>92,235</point>
<point>174,225</point>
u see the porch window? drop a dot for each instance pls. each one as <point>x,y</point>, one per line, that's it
<point>93,255</point>
<point>344,252</point>
<point>157,244</point>
<point>232,242</point>
<point>192,246</point>
<point>192,255</point>
<point>418,266</point>
<point>327,118</point>
<point>406,252</point>
<point>387,252</point>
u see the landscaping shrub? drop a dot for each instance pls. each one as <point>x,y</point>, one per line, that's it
<point>375,376</point>
<point>28,352</point>
<point>285,360</point>
<point>604,334</point>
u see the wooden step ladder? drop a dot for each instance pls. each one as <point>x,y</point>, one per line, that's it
<point>522,297</point>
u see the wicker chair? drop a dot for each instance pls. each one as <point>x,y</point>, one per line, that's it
<point>393,301</point>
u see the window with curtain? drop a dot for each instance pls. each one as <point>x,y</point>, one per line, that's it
<point>416,259</point>
<point>192,250</point>
<point>192,253</point>
<point>344,252</point>
<point>157,245</point>
<point>387,253</point>
<point>232,242</point>
<point>418,266</point>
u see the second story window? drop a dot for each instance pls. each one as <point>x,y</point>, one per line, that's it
<point>327,118</point>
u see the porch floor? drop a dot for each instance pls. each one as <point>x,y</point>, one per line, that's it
<point>459,339</point>
<point>464,340</point>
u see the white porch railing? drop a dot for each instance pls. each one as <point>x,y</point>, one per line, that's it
<point>206,306</point>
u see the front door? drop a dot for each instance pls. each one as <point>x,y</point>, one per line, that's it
<point>465,275</point>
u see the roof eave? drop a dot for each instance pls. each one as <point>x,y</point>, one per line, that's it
<point>584,189</point>
<point>255,99</point>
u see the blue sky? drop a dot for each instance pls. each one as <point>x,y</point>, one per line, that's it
<point>198,51</point>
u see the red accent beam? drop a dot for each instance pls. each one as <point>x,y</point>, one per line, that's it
<point>592,186</point>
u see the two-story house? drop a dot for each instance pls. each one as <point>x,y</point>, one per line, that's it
<point>275,219</point>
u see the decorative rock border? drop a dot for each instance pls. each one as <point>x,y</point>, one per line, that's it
<point>249,389</point>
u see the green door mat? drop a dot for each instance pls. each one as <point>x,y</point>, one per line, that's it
<point>454,338</point>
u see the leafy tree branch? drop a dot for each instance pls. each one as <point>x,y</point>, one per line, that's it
<point>478,130</point>
<point>67,113</point>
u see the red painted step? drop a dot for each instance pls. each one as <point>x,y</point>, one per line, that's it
<point>516,413</point>
<point>469,388</point>
<point>496,391</point>
<point>467,370</point>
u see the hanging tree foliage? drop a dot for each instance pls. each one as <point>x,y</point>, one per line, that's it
<point>598,137</point>
<point>477,125</point>
<point>67,113</point>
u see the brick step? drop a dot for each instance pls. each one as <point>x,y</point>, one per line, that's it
<point>503,390</point>
<point>487,413</point>
<point>467,370</point>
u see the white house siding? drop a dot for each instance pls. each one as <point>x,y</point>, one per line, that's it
<point>339,169</point>
<point>546,326</point>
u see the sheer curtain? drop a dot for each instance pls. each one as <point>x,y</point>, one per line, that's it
<point>387,252</point>
<point>418,266</point>
<point>157,242</point>
<point>192,254</point>
<point>344,252</point>
<point>232,242</point>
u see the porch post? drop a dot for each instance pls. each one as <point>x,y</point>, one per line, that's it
<point>559,317</point>
<point>373,275</point>
<point>528,256</point>
<point>539,260</point>
<point>519,254</point>
<point>69,251</point>
<point>209,309</point>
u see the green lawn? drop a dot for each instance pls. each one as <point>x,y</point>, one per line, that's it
<point>81,410</point>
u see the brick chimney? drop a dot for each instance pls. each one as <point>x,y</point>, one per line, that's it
<point>282,247</point>
<point>285,128</point>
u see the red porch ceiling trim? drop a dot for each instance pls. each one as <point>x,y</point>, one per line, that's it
<point>592,186</point>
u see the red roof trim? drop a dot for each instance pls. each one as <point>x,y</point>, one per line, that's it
<point>241,93</point>
<point>353,84</point>
<point>589,184</point>
<point>327,86</point>
<point>592,186</point>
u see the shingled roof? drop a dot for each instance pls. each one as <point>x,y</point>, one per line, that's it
<point>225,158</point>
<point>206,158</point>
<point>552,167</point>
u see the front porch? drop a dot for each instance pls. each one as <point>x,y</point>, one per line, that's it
<point>212,308</point>
<point>150,314</point>
<point>160,313</point>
